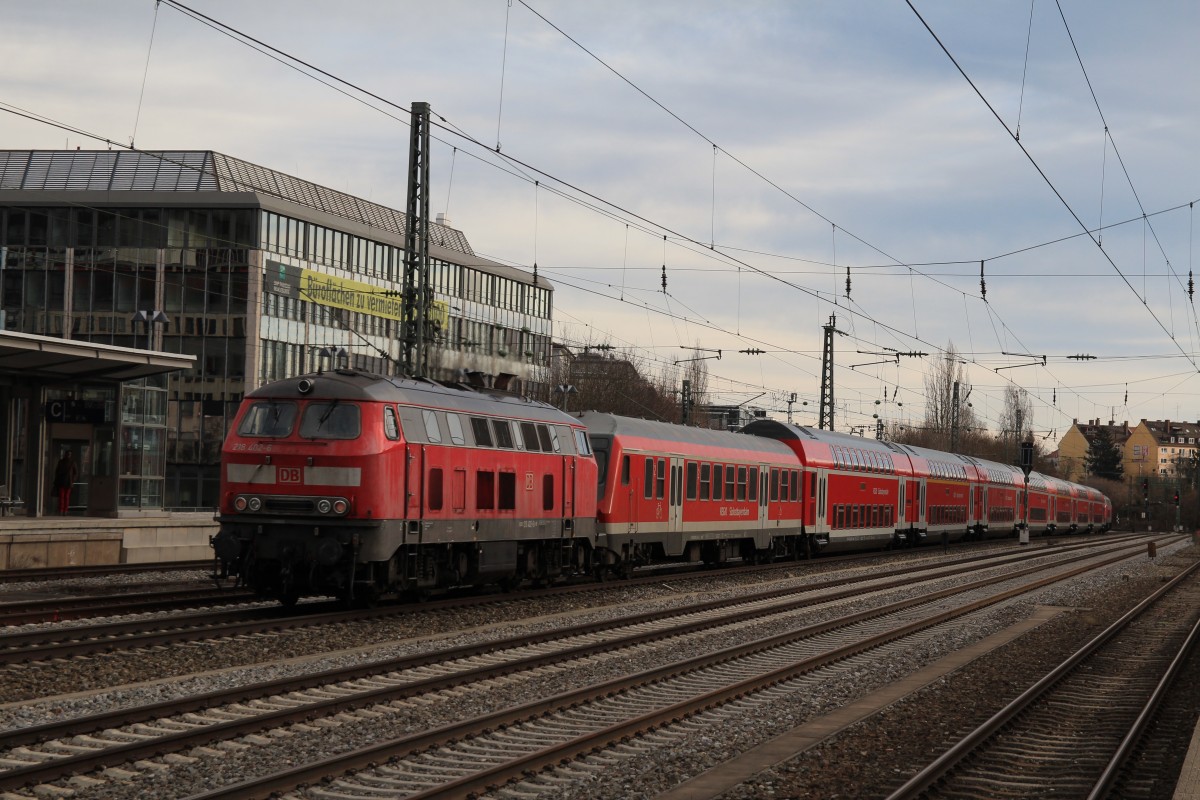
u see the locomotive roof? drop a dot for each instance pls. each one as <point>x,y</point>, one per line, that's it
<point>604,424</point>
<point>346,384</point>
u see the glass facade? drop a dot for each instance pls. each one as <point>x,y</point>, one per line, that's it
<point>254,296</point>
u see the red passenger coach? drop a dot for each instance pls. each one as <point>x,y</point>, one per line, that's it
<point>670,492</point>
<point>362,486</point>
<point>944,496</point>
<point>1003,510</point>
<point>856,488</point>
<point>1039,516</point>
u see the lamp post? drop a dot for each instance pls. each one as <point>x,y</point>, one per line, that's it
<point>151,318</point>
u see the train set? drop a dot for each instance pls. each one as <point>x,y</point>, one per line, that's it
<point>365,487</point>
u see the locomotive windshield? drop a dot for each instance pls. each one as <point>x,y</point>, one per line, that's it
<point>268,418</point>
<point>332,420</point>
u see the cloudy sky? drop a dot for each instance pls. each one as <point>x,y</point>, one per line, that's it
<point>773,144</point>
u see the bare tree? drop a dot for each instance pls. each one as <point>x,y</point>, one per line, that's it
<point>940,407</point>
<point>1016,420</point>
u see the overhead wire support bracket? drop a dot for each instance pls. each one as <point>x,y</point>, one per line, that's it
<point>1041,363</point>
<point>698,358</point>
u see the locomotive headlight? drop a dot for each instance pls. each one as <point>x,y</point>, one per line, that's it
<point>340,506</point>
<point>239,503</point>
<point>324,506</point>
<point>255,503</point>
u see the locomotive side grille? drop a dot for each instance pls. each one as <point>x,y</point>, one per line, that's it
<point>290,505</point>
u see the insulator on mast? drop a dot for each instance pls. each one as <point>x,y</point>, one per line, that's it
<point>847,283</point>
<point>664,270</point>
<point>982,283</point>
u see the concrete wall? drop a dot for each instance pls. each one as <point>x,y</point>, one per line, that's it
<point>27,543</point>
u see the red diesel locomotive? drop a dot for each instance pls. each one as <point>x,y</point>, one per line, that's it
<point>364,486</point>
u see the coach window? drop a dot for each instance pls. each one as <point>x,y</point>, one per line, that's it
<point>624,470</point>
<point>456,429</point>
<point>752,485</point>
<point>547,493</point>
<point>691,480</point>
<point>812,485</point>
<point>483,436</point>
<point>391,428</point>
<point>508,491</point>
<point>705,478</point>
<point>774,483</point>
<point>874,516</point>
<point>785,480</point>
<point>435,490</point>
<point>731,482</point>
<point>649,487</point>
<point>741,483</point>
<point>485,490</point>
<point>431,425</point>
<point>543,434</point>
<point>660,485</point>
<point>503,431</point>
<point>718,478</point>
<point>529,437</point>
<point>839,514</point>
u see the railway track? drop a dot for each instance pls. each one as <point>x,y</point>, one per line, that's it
<point>698,683</point>
<point>100,570</point>
<point>28,646</point>
<point>60,609</point>
<point>1072,733</point>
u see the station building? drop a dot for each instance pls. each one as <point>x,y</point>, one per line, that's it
<point>225,275</point>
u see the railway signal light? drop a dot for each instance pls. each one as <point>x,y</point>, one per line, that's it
<point>1177,498</point>
<point>1145,487</point>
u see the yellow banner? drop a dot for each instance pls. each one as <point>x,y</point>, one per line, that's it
<point>330,290</point>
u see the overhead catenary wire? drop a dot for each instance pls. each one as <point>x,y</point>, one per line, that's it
<point>910,273</point>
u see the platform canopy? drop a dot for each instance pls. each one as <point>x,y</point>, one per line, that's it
<point>52,358</point>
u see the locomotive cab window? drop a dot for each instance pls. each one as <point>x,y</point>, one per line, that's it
<point>268,419</point>
<point>581,442</point>
<point>456,429</point>
<point>391,427</point>
<point>331,420</point>
<point>543,434</point>
<point>431,425</point>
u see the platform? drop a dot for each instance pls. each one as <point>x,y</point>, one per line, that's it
<point>27,543</point>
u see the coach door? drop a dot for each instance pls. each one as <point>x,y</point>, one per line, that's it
<point>764,474</point>
<point>675,495</point>
<point>413,490</point>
